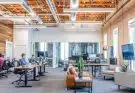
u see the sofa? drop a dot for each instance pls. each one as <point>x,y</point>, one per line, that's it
<point>126,79</point>
<point>70,77</point>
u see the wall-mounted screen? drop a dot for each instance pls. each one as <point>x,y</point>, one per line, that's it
<point>128,52</point>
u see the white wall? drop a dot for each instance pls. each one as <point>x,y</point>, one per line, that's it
<point>24,37</point>
<point>21,42</point>
<point>57,34</point>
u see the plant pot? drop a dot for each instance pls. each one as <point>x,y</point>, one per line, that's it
<point>80,74</point>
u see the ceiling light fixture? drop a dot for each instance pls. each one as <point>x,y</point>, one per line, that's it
<point>10,2</point>
<point>90,10</point>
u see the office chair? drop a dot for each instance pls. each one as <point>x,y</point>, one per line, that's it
<point>21,74</point>
<point>3,70</point>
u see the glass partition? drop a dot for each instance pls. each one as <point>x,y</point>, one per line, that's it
<point>55,52</point>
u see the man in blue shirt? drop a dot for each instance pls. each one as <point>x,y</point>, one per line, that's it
<point>23,61</point>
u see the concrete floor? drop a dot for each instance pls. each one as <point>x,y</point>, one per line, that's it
<point>53,82</point>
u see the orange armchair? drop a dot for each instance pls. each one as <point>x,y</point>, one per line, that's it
<point>70,79</point>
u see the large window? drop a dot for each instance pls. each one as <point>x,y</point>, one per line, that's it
<point>132,37</point>
<point>115,42</point>
<point>64,51</point>
<point>105,44</point>
<point>42,46</point>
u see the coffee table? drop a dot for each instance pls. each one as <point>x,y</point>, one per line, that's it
<point>87,83</point>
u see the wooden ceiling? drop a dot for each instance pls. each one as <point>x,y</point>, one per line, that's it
<point>13,9</point>
<point>42,9</point>
<point>90,16</point>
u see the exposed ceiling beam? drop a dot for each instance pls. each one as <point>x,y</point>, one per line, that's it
<point>31,26</point>
<point>90,22</point>
<point>2,12</point>
<point>10,2</point>
<point>91,10</point>
<point>52,14</point>
<point>31,12</point>
<point>123,5</point>
<point>15,18</point>
<point>53,10</point>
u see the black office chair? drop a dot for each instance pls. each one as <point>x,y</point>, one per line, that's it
<point>4,70</point>
<point>20,74</point>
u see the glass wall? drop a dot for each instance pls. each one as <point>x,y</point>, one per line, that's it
<point>55,52</point>
<point>76,49</point>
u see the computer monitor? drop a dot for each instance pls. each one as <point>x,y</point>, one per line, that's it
<point>40,53</point>
<point>113,61</point>
<point>128,51</point>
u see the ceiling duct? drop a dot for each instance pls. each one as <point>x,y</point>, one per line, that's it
<point>32,13</point>
<point>53,10</point>
<point>74,4</point>
<point>73,17</point>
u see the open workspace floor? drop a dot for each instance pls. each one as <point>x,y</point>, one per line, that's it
<point>53,82</point>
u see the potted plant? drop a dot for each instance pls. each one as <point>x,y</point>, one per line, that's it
<point>80,65</point>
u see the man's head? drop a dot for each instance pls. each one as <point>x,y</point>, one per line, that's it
<point>23,55</point>
<point>33,56</point>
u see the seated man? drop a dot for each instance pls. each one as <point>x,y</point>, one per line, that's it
<point>23,60</point>
<point>33,60</point>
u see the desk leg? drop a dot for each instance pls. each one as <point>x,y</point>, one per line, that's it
<point>40,71</point>
<point>45,69</point>
<point>34,75</point>
<point>89,87</point>
<point>75,88</point>
<point>92,87</point>
<point>25,81</point>
<point>92,70</point>
<point>100,68</point>
<point>95,71</point>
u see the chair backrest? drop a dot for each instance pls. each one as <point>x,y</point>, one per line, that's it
<point>5,65</point>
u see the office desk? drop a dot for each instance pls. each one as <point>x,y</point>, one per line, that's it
<point>26,69</point>
<point>94,65</point>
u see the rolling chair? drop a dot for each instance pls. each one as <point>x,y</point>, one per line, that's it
<point>3,69</point>
<point>20,74</point>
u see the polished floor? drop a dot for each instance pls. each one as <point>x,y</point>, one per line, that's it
<point>53,82</point>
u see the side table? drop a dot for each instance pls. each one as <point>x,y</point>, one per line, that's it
<point>86,81</point>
